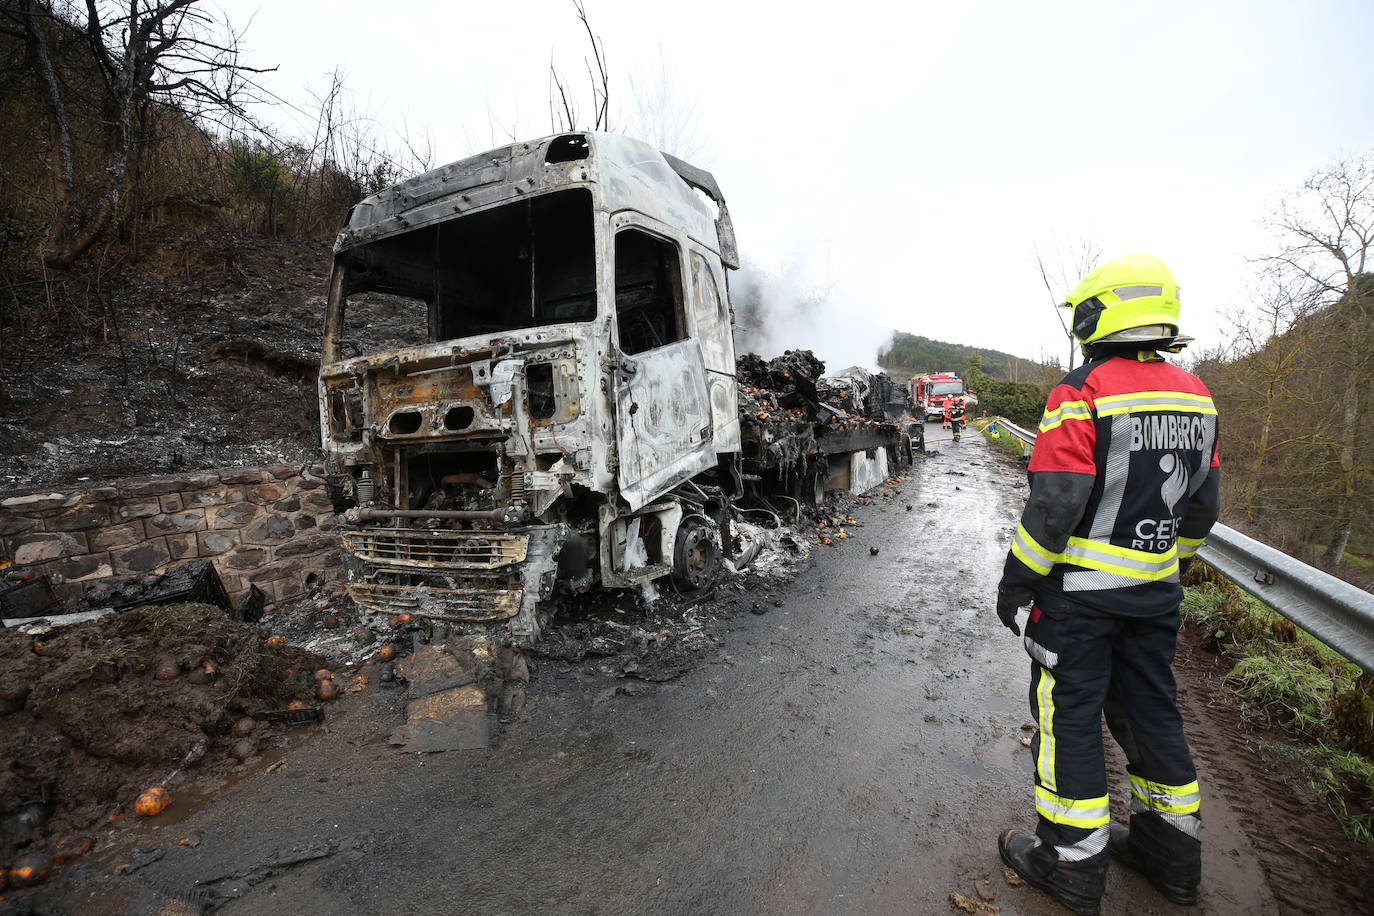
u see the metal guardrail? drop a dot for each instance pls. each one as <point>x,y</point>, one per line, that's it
<point>1335,612</point>
<point>1026,439</point>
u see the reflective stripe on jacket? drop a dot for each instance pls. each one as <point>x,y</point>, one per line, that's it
<point>1124,483</point>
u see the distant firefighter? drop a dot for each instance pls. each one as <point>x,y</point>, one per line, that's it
<point>954,416</point>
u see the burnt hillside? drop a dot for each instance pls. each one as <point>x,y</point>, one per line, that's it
<point>201,353</point>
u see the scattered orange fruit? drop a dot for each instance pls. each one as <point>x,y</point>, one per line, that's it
<point>152,802</point>
<point>30,870</point>
<point>72,847</point>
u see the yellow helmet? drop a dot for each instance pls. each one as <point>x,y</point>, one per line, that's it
<point>1134,291</point>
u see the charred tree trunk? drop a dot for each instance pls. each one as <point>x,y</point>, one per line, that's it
<point>147,54</point>
<point>35,29</point>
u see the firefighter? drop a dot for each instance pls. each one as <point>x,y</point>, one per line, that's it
<point>956,416</point>
<point>1124,487</point>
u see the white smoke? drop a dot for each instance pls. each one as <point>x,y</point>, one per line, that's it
<point>777,310</point>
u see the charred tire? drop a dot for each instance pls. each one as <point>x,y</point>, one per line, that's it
<point>899,455</point>
<point>813,485</point>
<point>696,554</point>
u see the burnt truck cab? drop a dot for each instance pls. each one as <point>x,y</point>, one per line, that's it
<point>526,353</point>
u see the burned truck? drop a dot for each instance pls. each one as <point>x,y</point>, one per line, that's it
<point>527,382</point>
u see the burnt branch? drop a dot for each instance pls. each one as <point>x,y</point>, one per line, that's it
<point>563,110</point>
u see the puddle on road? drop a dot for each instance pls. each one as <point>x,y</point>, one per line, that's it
<point>146,833</point>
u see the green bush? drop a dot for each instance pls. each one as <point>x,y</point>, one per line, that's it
<point>1021,403</point>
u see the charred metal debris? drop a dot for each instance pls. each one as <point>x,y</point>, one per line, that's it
<point>528,388</point>
<point>805,433</point>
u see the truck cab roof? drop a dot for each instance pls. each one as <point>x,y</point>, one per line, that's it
<point>623,173</point>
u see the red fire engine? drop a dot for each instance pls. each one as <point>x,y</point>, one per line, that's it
<point>931,392</point>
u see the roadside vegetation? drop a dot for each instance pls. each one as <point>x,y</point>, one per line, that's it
<point>1020,402</point>
<point>143,137</point>
<point>1284,677</point>
<point>999,437</point>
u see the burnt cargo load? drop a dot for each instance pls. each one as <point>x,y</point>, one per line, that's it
<point>805,433</point>
<point>528,382</point>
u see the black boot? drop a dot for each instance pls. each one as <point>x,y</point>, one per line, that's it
<point>1077,885</point>
<point>1168,858</point>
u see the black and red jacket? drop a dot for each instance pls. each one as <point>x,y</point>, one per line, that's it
<point>1124,484</point>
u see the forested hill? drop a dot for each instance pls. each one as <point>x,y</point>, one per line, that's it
<point>911,354</point>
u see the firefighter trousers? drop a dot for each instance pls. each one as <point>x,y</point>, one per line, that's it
<point>1085,663</point>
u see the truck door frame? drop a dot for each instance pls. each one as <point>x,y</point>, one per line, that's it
<point>663,417</point>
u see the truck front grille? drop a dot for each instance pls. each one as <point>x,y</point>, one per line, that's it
<point>410,548</point>
<point>469,605</point>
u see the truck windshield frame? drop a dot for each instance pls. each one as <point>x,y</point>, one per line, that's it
<point>940,388</point>
<point>525,264</point>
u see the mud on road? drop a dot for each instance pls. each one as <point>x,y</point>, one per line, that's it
<point>844,741</point>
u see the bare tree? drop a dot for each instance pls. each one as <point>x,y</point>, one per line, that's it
<point>663,115</point>
<point>147,54</point>
<point>564,112</point>
<point>1263,382</point>
<point>1069,264</point>
<point>1327,228</point>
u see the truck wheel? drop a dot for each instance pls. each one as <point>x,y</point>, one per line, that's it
<point>899,455</point>
<point>813,485</point>
<point>696,556</point>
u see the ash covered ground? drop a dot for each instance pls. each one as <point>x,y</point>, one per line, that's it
<point>202,353</point>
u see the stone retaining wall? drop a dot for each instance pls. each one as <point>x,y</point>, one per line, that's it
<point>271,527</point>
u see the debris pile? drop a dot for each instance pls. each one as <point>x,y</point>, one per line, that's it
<point>652,648</point>
<point>834,522</point>
<point>781,388</point>
<point>451,686</point>
<point>794,386</point>
<point>95,714</point>
<point>800,427</point>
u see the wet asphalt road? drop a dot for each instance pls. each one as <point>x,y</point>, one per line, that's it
<point>854,750</point>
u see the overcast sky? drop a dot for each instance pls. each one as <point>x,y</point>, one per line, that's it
<point>906,157</point>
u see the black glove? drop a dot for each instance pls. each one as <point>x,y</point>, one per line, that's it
<point>1183,565</point>
<point>1009,601</point>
